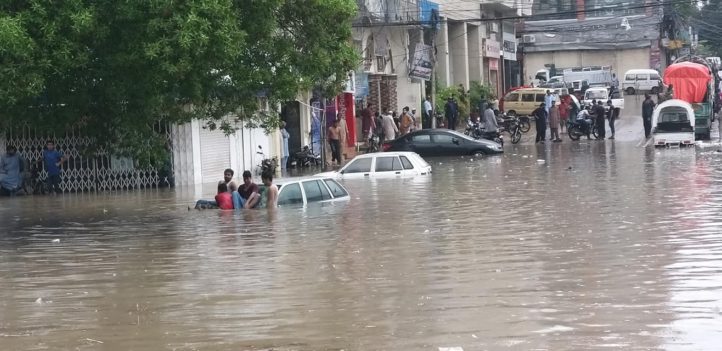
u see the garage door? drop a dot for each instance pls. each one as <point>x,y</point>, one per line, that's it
<point>215,155</point>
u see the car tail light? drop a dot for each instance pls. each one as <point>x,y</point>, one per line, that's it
<point>687,142</point>
<point>386,146</point>
<point>661,142</point>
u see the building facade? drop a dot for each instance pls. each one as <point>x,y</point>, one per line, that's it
<point>623,34</point>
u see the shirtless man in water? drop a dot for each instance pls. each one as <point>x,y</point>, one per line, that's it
<point>271,190</point>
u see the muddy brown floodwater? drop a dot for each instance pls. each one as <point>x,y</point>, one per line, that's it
<point>590,246</point>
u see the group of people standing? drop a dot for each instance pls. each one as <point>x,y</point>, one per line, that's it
<point>389,126</point>
<point>555,112</point>
<point>13,169</point>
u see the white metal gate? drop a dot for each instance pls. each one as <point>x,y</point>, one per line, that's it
<point>86,170</point>
<point>215,154</point>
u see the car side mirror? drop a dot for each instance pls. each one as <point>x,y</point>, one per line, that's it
<point>455,141</point>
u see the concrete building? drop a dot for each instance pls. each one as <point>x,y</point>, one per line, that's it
<point>623,34</point>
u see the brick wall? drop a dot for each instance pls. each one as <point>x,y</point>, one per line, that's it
<point>383,88</point>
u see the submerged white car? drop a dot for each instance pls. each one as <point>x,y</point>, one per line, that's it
<point>300,192</point>
<point>383,165</point>
<point>673,124</point>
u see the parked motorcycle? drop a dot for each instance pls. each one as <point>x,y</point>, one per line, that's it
<point>305,158</point>
<point>374,143</point>
<point>474,130</point>
<point>267,165</point>
<point>524,124</point>
<point>512,126</point>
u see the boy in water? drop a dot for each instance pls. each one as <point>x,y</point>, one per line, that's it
<point>271,190</point>
<point>223,198</point>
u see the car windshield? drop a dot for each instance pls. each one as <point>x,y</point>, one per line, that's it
<point>596,94</point>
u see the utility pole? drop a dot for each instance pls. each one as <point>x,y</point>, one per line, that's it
<point>433,76</point>
<point>323,133</point>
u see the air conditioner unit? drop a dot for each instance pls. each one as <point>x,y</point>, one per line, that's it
<point>494,27</point>
<point>528,38</point>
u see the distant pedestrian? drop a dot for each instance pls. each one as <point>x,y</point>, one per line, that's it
<point>428,113</point>
<point>405,122</point>
<point>414,120</point>
<point>367,122</point>
<point>334,135</point>
<point>563,112</point>
<point>647,111</point>
<point>388,127</point>
<point>284,146</point>
<point>600,114</point>
<point>343,135</point>
<point>549,100</point>
<point>614,83</point>
<point>554,119</point>
<point>11,170</point>
<point>451,109</point>
<point>540,116</point>
<point>611,116</point>
<point>53,161</point>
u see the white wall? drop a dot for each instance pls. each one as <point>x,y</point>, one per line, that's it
<point>620,60</point>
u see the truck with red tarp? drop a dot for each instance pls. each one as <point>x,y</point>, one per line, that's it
<point>692,80</point>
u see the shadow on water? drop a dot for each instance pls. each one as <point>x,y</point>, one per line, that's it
<point>562,247</point>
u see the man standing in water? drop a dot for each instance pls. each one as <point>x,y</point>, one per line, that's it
<point>247,194</point>
<point>271,200</point>
<point>367,123</point>
<point>647,111</point>
<point>540,116</point>
<point>11,170</point>
<point>53,160</point>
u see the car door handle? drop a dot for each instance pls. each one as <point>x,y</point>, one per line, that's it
<point>398,172</point>
<point>366,174</point>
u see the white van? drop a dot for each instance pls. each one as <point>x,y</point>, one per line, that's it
<point>641,80</point>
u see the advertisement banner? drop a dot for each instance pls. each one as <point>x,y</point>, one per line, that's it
<point>362,84</point>
<point>421,65</point>
<point>492,48</point>
<point>509,47</point>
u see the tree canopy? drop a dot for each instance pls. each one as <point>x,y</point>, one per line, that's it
<point>114,68</point>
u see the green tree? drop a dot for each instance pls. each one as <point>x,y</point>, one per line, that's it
<point>114,68</point>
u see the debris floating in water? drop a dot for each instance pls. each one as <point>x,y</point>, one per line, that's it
<point>455,348</point>
<point>56,240</point>
<point>39,300</point>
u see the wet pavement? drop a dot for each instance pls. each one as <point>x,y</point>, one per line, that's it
<point>586,246</point>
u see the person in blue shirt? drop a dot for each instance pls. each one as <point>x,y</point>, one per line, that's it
<point>53,161</point>
<point>11,169</point>
<point>284,146</point>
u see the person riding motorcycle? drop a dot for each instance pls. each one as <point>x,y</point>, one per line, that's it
<point>585,120</point>
<point>491,125</point>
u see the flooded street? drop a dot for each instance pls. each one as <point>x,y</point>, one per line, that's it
<point>587,246</point>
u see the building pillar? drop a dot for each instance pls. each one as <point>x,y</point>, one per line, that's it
<point>475,53</point>
<point>443,74</point>
<point>458,49</point>
<point>580,10</point>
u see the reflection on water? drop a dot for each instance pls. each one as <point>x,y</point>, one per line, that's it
<point>585,246</point>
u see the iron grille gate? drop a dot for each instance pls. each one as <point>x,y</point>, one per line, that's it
<point>99,171</point>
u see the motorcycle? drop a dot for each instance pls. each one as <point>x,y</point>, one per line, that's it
<point>524,124</point>
<point>267,165</point>
<point>576,129</point>
<point>374,143</point>
<point>474,130</point>
<point>512,126</point>
<point>305,158</point>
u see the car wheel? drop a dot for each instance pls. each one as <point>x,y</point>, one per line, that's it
<point>477,153</point>
<point>655,90</point>
<point>630,91</point>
